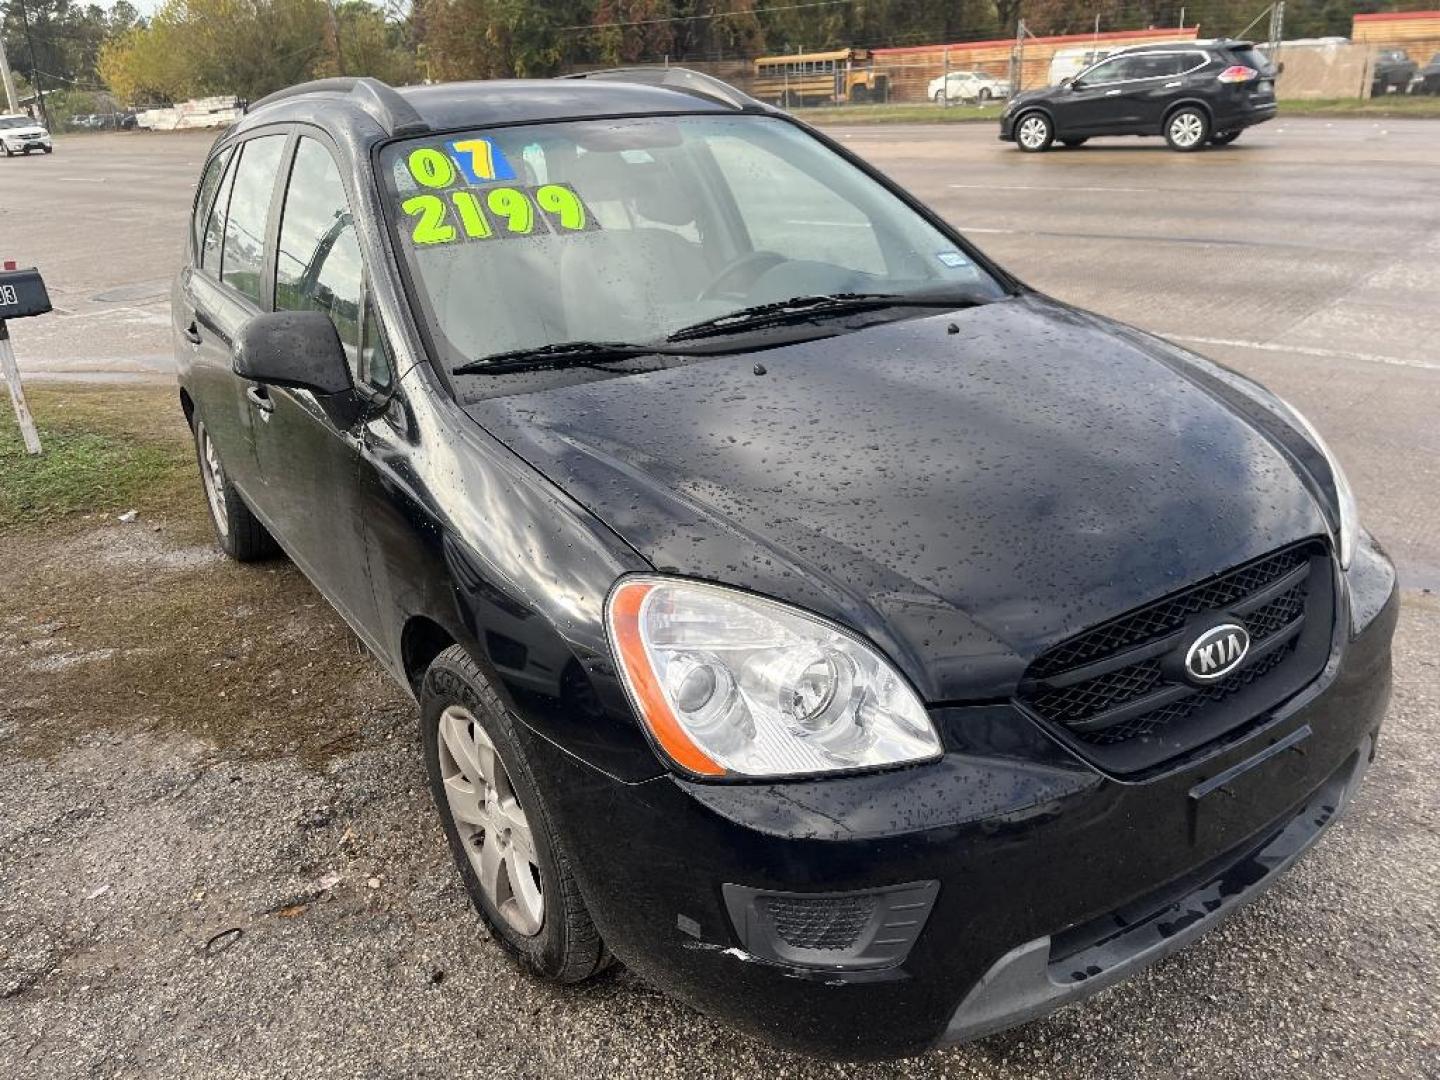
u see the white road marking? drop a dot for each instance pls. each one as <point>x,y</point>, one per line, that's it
<point>1306,350</point>
<point>83,179</point>
<point>1053,187</point>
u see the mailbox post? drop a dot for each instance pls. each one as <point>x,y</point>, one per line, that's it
<point>22,295</point>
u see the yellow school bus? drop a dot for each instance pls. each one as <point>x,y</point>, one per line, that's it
<point>819,78</point>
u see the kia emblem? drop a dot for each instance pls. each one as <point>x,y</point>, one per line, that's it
<point>1216,652</point>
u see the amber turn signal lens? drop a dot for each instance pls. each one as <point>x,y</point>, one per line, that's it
<point>655,711</point>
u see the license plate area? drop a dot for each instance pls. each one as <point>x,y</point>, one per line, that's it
<point>1223,807</point>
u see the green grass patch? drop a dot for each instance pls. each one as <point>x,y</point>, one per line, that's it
<point>104,450</point>
<point>899,114</point>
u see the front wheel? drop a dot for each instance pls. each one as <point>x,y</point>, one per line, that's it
<point>1034,133</point>
<point>1187,130</point>
<point>506,847</point>
<point>1224,138</point>
<point>939,97</point>
<point>984,96</point>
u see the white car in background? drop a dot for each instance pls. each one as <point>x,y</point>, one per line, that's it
<point>974,86</point>
<point>20,135</point>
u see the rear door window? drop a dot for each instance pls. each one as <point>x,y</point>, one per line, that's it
<point>243,259</point>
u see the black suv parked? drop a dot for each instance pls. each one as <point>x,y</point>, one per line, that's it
<point>1193,93</point>
<point>855,642</point>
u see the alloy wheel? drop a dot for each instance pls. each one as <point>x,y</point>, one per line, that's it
<point>1186,129</point>
<point>1033,132</point>
<point>492,824</point>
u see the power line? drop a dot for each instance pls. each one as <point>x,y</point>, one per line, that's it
<point>705,18</point>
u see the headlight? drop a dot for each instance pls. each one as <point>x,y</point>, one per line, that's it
<point>1346,513</point>
<point>732,685</point>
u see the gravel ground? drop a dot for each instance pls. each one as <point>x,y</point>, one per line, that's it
<point>177,904</point>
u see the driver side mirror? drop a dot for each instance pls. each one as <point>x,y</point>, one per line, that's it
<point>299,350</point>
<point>1072,83</point>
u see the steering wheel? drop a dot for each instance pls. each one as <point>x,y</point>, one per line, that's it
<point>740,274</point>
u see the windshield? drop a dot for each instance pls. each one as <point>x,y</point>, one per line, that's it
<point>629,230</point>
<point>16,122</point>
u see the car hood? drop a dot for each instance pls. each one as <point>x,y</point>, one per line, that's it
<point>1025,96</point>
<point>966,498</point>
<point>33,129</point>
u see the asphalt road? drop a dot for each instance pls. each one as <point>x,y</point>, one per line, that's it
<point>1306,255</point>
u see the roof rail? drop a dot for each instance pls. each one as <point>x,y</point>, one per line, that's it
<point>685,80</point>
<point>382,101</point>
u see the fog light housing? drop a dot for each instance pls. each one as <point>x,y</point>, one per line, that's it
<point>863,930</point>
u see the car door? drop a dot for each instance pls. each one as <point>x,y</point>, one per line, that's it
<point>1092,104</point>
<point>1154,80</point>
<point>221,291</point>
<point>309,456</point>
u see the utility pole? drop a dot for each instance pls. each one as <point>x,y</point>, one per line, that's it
<point>1017,59</point>
<point>34,64</point>
<point>1277,28</point>
<point>12,100</point>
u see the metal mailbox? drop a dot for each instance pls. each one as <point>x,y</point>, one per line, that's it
<point>22,294</point>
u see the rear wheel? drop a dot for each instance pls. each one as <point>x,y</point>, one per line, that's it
<point>984,96</point>
<point>237,531</point>
<point>1187,129</point>
<point>1034,132</point>
<point>939,97</point>
<point>1224,138</point>
<point>507,850</point>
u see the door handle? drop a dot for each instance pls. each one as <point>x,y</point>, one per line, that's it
<point>192,333</point>
<point>1111,93</point>
<point>260,398</point>
<point>1172,85</point>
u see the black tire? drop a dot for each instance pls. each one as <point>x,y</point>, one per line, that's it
<point>49,149</point>
<point>1187,129</point>
<point>567,947</point>
<point>1038,139</point>
<point>1224,138</point>
<point>983,98</point>
<point>1073,143</point>
<point>237,531</point>
<point>939,97</point>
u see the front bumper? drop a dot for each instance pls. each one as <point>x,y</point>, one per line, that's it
<point>1051,879</point>
<point>19,146</point>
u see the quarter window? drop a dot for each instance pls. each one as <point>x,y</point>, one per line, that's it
<point>215,226</point>
<point>245,226</point>
<point>205,199</point>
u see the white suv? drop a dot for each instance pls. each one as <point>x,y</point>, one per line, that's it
<point>20,135</point>
<point>973,86</point>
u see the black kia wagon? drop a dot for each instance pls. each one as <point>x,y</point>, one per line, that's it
<point>1194,93</point>
<point>854,642</point>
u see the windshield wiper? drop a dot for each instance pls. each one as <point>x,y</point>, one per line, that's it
<point>803,308</point>
<point>563,354</point>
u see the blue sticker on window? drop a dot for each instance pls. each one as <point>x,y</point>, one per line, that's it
<point>952,258</point>
<point>480,160</point>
